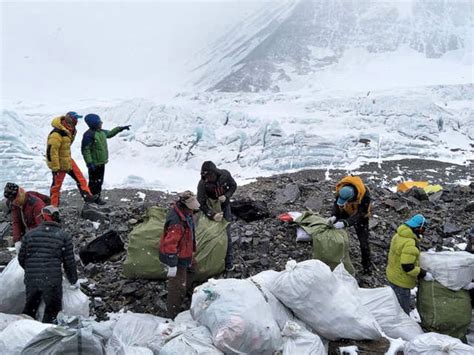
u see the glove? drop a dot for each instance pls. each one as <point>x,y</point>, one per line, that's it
<point>428,277</point>
<point>339,225</point>
<point>331,220</point>
<point>91,166</point>
<point>218,217</point>
<point>125,128</point>
<point>469,286</point>
<point>222,199</point>
<point>75,286</point>
<point>172,271</point>
<point>17,247</point>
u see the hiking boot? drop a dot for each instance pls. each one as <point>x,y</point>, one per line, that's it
<point>100,202</point>
<point>230,268</point>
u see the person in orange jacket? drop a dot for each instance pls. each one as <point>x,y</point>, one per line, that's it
<point>352,208</point>
<point>59,160</point>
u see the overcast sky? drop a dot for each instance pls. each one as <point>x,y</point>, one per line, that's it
<point>108,49</point>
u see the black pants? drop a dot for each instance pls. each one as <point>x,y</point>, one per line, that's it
<point>52,297</point>
<point>96,179</point>
<point>229,256</point>
<point>362,231</point>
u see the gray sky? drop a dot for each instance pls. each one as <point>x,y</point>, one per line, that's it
<point>109,49</point>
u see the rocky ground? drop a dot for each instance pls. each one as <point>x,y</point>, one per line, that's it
<point>269,243</point>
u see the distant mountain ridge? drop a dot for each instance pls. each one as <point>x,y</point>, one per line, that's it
<point>295,38</point>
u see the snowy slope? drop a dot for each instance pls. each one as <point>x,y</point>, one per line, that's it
<point>296,43</point>
<point>257,134</point>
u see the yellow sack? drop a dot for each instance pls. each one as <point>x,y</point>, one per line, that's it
<point>431,189</point>
<point>407,185</point>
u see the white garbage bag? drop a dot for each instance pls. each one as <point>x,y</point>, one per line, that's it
<point>302,236</point>
<point>7,319</point>
<point>75,303</point>
<point>12,288</point>
<point>137,333</point>
<point>15,337</point>
<point>452,269</point>
<point>185,318</point>
<point>266,278</point>
<point>190,341</point>
<point>280,313</point>
<point>437,344</point>
<point>239,318</point>
<point>383,305</point>
<point>298,340</point>
<point>322,301</point>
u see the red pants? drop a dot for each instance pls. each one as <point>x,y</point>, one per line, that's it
<point>58,178</point>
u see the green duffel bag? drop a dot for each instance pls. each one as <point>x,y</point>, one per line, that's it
<point>443,310</point>
<point>330,245</point>
<point>143,257</point>
<point>143,249</point>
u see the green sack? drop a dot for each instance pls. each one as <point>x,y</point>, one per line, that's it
<point>143,249</point>
<point>143,257</point>
<point>211,247</point>
<point>443,310</point>
<point>330,245</point>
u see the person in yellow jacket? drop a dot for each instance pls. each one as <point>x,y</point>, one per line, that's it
<point>403,267</point>
<point>352,208</point>
<point>59,160</point>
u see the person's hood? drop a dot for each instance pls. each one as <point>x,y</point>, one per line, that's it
<point>208,166</point>
<point>56,123</point>
<point>406,232</point>
<point>93,121</point>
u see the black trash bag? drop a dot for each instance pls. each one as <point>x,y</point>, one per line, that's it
<point>102,248</point>
<point>249,210</point>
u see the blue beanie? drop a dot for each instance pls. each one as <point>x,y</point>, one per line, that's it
<point>93,120</point>
<point>345,194</point>
<point>416,221</point>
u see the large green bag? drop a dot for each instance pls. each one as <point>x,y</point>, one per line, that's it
<point>443,310</point>
<point>143,257</point>
<point>330,245</point>
<point>143,254</point>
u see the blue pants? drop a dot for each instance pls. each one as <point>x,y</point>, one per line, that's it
<point>403,296</point>
<point>229,257</point>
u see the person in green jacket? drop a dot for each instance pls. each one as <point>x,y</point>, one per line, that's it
<point>403,267</point>
<point>95,152</point>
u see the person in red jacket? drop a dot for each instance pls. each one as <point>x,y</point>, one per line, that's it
<point>177,246</point>
<point>26,209</point>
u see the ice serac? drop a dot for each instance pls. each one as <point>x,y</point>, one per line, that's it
<point>297,39</point>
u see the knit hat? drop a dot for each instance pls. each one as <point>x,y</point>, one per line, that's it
<point>345,194</point>
<point>93,120</point>
<point>416,221</point>
<point>189,200</point>
<point>10,191</point>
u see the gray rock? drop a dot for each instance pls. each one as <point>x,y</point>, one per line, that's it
<point>314,204</point>
<point>450,229</point>
<point>436,196</point>
<point>289,194</point>
<point>418,193</point>
<point>469,207</point>
<point>93,214</point>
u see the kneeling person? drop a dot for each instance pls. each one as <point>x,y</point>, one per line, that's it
<point>43,252</point>
<point>177,246</point>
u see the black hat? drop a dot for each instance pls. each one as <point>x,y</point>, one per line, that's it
<point>208,167</point>
<point>11,190</point>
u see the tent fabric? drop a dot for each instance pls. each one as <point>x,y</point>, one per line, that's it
<point>443,310</point>
<point>330,245</point>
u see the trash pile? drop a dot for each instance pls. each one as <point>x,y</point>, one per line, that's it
<point>295,311</point>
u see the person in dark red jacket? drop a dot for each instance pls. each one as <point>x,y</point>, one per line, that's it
<point>177,246</point>
<point>26,209</point>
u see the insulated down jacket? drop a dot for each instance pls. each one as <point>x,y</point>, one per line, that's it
<point>44,250</point>
<point>28,216</point>
<point>58,149</point>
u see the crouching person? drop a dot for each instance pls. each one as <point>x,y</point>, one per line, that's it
<point>403,266</point>
<point>177,246</point>
<point>43,252</point>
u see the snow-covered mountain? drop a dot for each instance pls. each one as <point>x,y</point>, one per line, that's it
<point>255,134</point>
<point>292,44</point>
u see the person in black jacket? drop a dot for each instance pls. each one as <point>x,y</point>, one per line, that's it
<point>470,249</point>
<point>44,250</point>
<point>217,184</point>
